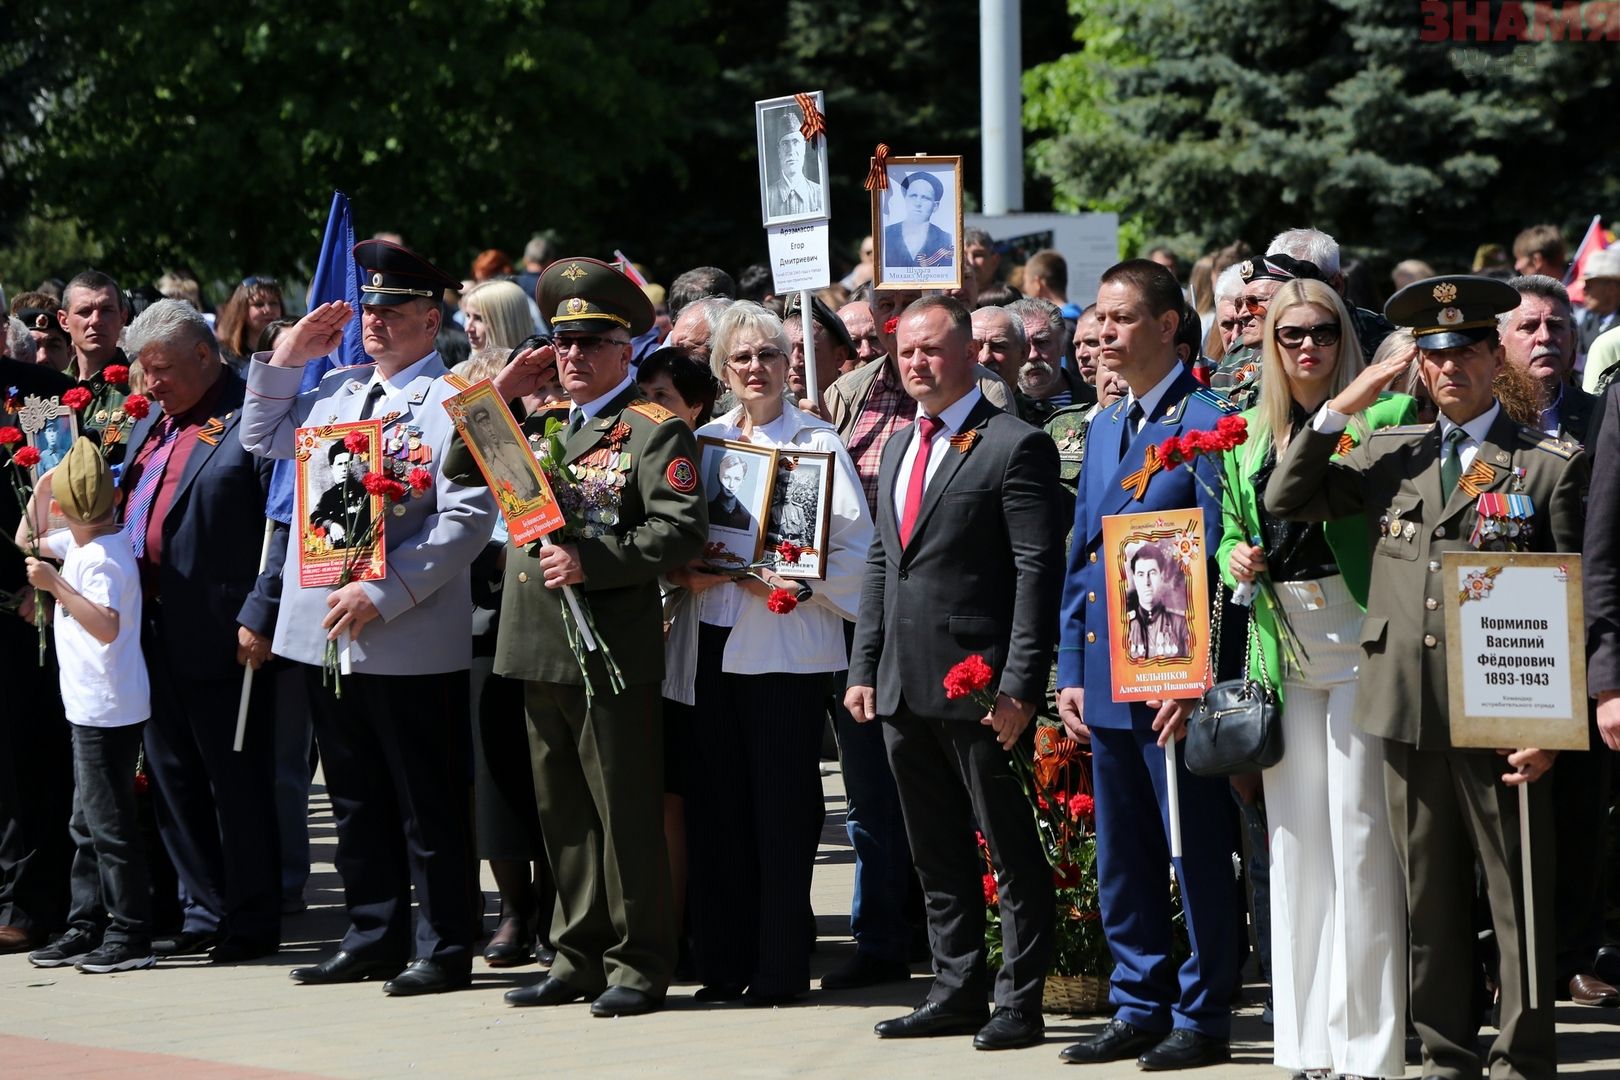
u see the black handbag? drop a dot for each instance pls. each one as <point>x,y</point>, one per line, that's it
<point>1237,726</point>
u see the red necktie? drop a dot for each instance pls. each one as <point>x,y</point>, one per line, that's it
<point>927,428</point>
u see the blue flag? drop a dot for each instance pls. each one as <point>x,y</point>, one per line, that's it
<point>337,277</point>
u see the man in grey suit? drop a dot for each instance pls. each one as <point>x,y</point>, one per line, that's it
<point>395,746</point>
<point>968,559</point>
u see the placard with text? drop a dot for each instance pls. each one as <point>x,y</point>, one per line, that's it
<point>1156,571</point>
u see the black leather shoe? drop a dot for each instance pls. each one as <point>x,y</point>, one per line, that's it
<point>865,970</point>
<point>344,968</point>
<point>237,950</point>
<point>930,1018</point>
<point>625,1001</point>
<point>1115,1042</point>
<point>506,954</point>
<point>1184,1048</point>
<point>425,976</point>
<point>1607,964</point>
<point>716,992</point>
<point>185,943</point>
<point>1010,1029</point>
<point>548,991</point>
<point>544,954</point>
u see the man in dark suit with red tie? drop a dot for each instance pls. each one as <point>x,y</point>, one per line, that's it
<point>968,559</point>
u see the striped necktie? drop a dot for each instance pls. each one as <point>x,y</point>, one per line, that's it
<point>139,510</point>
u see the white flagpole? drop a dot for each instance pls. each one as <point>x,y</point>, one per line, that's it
<point>247,671</point>
<point>807,326</point>
<point>1527,884</point>
<point>1172,797</point>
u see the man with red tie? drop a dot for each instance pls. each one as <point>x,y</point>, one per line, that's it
<point>967,560</point>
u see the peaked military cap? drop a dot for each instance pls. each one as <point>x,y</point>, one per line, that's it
<point>589,295</point>
<point>1279,268</point>
<point>40,319</point>
<point>392,275</point>
<point>1451,311</point>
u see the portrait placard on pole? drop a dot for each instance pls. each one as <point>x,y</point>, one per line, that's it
<point>1157,575</point>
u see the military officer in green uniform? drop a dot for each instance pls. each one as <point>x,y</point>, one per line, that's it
<point>598,754</point>
<point>93,315</point>
<point>1426,490</point>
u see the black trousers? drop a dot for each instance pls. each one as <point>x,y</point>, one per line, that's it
<point>36,787</point>
<point>1580,798</point>
<point>216,808</point>
<point>754,792</point>
<point>953,776</point>
<point>395,749</point>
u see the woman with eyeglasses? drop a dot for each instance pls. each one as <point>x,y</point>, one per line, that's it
<point>1338,910</point>
<point>760,698</point>
<point>254,305</point>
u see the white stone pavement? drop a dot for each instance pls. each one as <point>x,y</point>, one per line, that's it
<point>233,1022</point>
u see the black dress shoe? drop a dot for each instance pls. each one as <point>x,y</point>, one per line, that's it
<point>1115,1042</point>
<point>865,970</point>
<point>625,1001</point>
<point>1184,1048</point>
<point>185,943</point>
<point>1010,1029</point>
<point>1606,966</point>
<point>425,976</point>
<point>930,1018</point>
<point>544,954</point>
<point>504,954</point>
<point>237,950</point>
<point>713,992</point>
<point>345,967</point>
<point>548,991</point>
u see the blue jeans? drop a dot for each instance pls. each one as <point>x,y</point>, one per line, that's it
<point>111,888</point>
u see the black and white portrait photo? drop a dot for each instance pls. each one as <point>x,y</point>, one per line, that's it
<point>737,480</point>
<point>792,168</point>
<point>1156,604</point>
<point>917,224</point>
<point>801,500</point>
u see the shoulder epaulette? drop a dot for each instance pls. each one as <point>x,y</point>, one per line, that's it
<point>651,410</point>
<point>1564,448</point>
<point>1403,429</point>
<point>1209,397</point>
<point>352,371</point>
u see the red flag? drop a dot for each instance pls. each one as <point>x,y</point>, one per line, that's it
<point>1595,240</point>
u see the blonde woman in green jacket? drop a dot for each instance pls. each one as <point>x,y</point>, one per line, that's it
<point>1338,909</point>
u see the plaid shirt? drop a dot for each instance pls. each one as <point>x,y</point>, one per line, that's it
<point>888,409</point>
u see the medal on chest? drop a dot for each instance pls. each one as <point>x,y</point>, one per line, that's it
<point>1503,521</point>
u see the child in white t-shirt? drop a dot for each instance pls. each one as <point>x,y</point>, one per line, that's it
<point>107,700</point>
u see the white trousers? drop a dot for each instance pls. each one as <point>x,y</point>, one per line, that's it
<point>1338,900</point>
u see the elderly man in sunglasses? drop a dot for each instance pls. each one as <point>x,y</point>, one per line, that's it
<point>1238,376</point>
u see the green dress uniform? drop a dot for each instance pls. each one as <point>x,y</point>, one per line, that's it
<point>1447,805</point>
<point>103,419</point>
<point>598,757</point>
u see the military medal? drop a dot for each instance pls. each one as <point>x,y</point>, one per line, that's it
<point>1518,478</point>
<point>1501,520</point>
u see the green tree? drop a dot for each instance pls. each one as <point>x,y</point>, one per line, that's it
<point>1208,120</point>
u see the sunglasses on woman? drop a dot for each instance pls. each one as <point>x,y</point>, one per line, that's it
<point>1322,333</point>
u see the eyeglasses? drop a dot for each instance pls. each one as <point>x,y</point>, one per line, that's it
<point>585,343</point>
<point>1254,305</point>
<point>766,357</point>
<point>1322,333</point>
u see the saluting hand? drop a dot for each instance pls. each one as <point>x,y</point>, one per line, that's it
<point>1373,380</point>
<point>528,371</point>
<point>316,334</point>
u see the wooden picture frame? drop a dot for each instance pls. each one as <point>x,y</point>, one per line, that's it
<point>49,427</point>
<point>519,485</point>
<point>1515,649</point>
<point>937,261</point>
<point>800,511</point>
<point>739,477</point>
<point>778,120</point>
<point>332,519</point>
<point>1159,647</point>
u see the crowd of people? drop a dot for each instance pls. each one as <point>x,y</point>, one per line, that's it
<point>650,804</point>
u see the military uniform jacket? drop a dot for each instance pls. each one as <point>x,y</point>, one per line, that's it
<point>1083,658</point>
<point>425,600</point>
<point>662,523</point>
<point>1393,478</point>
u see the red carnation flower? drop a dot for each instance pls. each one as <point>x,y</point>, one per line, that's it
<point>136,406</point>
<point>891,326</point>
<point>991,896</point>
<point>1066,876</point>
<point>76,398</point>
<point>1081,806</point>
<point>357,442</point>
<point>9,435</point>
<point>379,484</point>
<point>26,457</point>
<point>967,677</point>
<point>142,784</point>
<point>1234,429</point>
<point>420,480</point>
<point>117,374</point>
<point>782,601</point>
<point>788,551</point>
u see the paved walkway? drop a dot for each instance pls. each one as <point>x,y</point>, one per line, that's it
<point>187,1019</point>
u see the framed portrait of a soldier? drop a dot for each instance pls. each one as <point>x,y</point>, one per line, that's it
<point>1515,647</point>
<point>49,427</point>
<point>340,522</point>
<point>917,223</point>
<point>737,477</point>
<point>515,478</point>
<point>800,513</point>
<point>1158,604</point>
<point>792,159</point>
